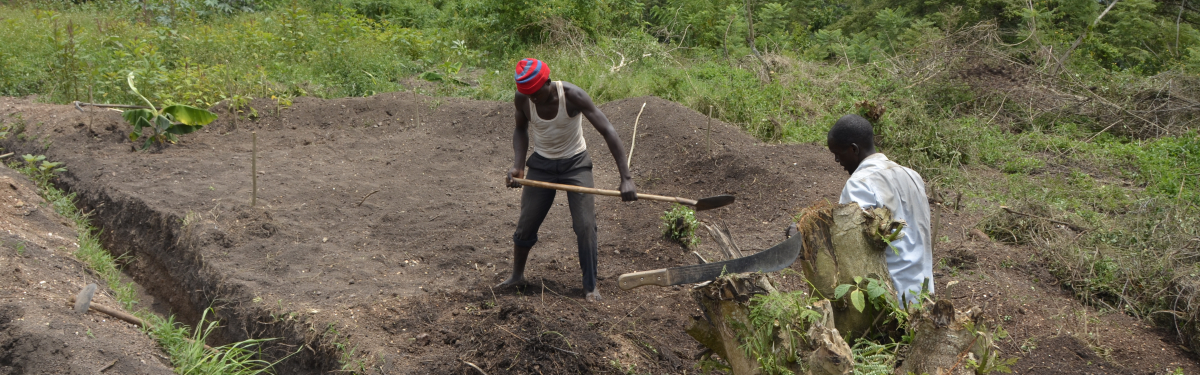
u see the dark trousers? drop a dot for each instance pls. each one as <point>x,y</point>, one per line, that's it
<point>536,202</point>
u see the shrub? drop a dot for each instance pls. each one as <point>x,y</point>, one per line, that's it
<point>679,225</point>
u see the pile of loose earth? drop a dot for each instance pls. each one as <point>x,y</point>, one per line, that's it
<point>382,224</point>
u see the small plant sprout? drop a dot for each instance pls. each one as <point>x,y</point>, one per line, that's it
<point>876,292</point>
<point>679,225</point>
<point>40,170</point>
<point>161,126</point>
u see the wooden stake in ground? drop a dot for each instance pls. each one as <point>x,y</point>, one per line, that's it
<point>253,168</point>
<point>709,136</point>
<point>633,142</point>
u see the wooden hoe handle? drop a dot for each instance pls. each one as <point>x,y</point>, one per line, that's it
<point>611,193</point>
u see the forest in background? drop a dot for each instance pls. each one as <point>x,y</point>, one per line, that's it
<point>1080,111</point>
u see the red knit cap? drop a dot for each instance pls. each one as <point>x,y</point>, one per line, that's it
<point>531,75</point>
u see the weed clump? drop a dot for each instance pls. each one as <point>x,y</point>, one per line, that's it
<point>679,225</point>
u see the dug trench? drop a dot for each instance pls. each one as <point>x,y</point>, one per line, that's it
<point>382,224</point>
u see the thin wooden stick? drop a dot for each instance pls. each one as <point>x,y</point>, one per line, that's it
<point>475,367</point>
<point>108,366</point>
<point>1069,225</point>
<point>79,105</point>
<point>1089,139</point>
<point>253,168</point>
<point>633,142</point>
<point>118,314</point>
<point>1182,180</point>
<point>511,333</point>
<point>709,136</point>
<point>364,199</point>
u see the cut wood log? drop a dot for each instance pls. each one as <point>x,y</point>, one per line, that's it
<point>721,237</point>
<point>723,307</point>
<point>842,242</point>
<point>945,341</point>
<point>725,327</point>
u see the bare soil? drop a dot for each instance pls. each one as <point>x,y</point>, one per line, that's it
<point>40,333</point>
<point>376,238</point>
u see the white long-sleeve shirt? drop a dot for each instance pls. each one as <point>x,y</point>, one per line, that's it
<point>881,182</point>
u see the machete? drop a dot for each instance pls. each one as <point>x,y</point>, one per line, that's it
<point>770,260</point>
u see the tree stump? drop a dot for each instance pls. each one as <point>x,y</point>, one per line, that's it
<point>840,243</point>
<point>801,346</point>
<point>948,342</point>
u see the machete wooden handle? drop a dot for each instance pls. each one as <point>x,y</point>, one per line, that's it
<point>653,277</point>
<point>611,193</point>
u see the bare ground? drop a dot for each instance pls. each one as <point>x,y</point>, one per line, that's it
<point>376,238</point>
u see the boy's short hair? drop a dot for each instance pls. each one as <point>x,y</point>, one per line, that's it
<point>852,129</point>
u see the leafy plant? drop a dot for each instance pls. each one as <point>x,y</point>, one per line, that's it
<point>778,315</point>
<point>40,170</point>
<point>871,358</point>
<point>161,126</point>
<point>989,361</point>
<point>679,225</point>
<point>876,293</point>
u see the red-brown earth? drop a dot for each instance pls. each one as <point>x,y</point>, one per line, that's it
<point>376,239</point>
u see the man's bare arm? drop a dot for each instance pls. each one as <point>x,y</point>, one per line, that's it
<point>520,140</point>
<point>581,100</point>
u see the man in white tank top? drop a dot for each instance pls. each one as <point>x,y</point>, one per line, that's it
<point>551,112</point>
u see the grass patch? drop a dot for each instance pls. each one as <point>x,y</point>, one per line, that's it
<point>190,356</point>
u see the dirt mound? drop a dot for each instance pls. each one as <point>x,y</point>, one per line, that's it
<point>39,331</point>
<point>377,236</point>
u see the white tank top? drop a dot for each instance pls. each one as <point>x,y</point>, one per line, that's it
<point>560,137</point>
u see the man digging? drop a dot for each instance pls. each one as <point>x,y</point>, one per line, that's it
<point>551,110</point>
<point>876,181</point>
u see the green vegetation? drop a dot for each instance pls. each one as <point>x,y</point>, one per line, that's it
<point>680,224</point>
<point>190,356</point>
<point>39,169</point>
<point>784,315</point>
<point>875,292</point>
<point>163,125</point>
<point>1072,111</point>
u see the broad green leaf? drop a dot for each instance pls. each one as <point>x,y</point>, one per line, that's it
<point>133,114</point>
<point>432,76</point>
<point>840,291</point>
<point>134,135</point>
<point>857,280</point>
<point>142,122</point>
<point>875,291</point>
<point>162,123</point>
<point>182,129</point>
<point>147,143</point>
<point>190,115</point>
<point>856,297</point>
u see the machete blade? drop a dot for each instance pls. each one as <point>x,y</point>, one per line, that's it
<point>770,260</point>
